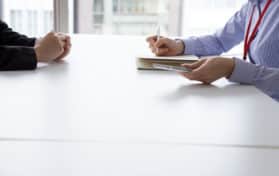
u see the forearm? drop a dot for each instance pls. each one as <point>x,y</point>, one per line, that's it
<point>17,58</point>
<point>203,46</point>
<point>264,78</point>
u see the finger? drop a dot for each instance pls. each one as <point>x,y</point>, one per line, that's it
<point>62,43</point>
<point>162,51</point>
<point>61,40</point>
<point>63,55</point>
<point>68,42</point>
<point>187,75</point>
<point>68,47</point>
<point>153,50</point>
<point>68,39</point>
<point>194,65</point>
<point>162,42</point>
<point>61,36</point>
<point>61,52</point>
<point>51,33</point>
<point>198,75</point>
<point>151,46</point>
<point>151,38</point>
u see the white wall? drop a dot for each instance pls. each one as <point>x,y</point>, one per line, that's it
<point>202,17</point>
<point>205,16</point>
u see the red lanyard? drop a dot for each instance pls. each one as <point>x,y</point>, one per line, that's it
<point>249,40</point>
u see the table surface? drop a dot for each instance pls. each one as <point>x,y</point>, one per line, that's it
<point>96,114</point>
<point>119,159</point>
<point>98,94</point>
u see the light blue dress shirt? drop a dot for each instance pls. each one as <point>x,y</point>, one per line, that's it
<point>264,50</point>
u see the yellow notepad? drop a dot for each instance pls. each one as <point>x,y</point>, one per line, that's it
<point>146,62</point>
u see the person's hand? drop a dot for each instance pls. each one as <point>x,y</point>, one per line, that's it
<point>67,46</point>
<point>165,46</point>
<point>210,70</point>
<point>53,46</point>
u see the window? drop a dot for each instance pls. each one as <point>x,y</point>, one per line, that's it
<point>140,17</point>
<point>119,17</point>
<point>30,17</point>
<point>127,17</point>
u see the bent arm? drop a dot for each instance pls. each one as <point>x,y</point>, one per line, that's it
<point>11,38</point>
<point>223,40</point>
<point>17,58</point>
<point>264,78</point>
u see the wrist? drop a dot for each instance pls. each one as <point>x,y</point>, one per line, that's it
<point>38,41</point>
<point>231,66</point>
<point>180,46</point>
<point>38,53</point>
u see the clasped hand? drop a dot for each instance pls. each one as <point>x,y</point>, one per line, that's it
<point>206,70</point>
<point>52,47</point>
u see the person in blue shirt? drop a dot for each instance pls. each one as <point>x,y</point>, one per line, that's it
<point>257,24</point>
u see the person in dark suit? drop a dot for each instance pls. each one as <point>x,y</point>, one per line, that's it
<point>19,52</point>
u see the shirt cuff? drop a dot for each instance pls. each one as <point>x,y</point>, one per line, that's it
<point>192,46</point>
<point>244,72</point>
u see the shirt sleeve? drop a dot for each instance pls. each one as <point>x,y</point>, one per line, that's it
<point>264,78</point>
<point>223,40</point>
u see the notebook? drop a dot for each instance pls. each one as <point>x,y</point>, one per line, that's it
<point>146,62</point>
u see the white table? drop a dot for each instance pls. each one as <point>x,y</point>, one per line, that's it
<point>98,94</point>
<point>118,159</point>
<point>95,114</point>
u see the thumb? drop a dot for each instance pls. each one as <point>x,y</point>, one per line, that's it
<point>61,36</point>
<point>50,34</point>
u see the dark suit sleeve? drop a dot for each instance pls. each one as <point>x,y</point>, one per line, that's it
<point>16,51</point>
<point>17,58</point>
<point>11,38</point>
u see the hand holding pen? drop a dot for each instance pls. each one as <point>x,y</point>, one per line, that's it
<point>162,46</point>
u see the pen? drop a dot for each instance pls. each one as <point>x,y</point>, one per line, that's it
<point>158,35</point>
